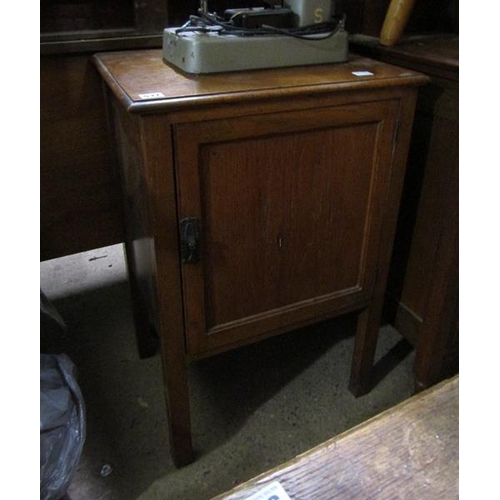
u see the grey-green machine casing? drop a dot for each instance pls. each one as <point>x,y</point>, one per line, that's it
<point>202,53</point>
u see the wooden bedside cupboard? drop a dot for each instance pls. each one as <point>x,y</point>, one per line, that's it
<point>256,203</point>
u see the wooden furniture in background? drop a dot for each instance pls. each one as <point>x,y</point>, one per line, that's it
<point>80,198</point>
<point>423,284</point>
<point>75,26</point>
<point>411,449</point>
<point>256,203</point>
<point>80,201</point>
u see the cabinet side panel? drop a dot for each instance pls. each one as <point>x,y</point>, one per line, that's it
<point>139,241</point>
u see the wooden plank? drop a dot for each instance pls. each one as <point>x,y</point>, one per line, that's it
<point>409,451</point>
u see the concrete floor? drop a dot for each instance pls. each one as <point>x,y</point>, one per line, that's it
<point>252,408</point>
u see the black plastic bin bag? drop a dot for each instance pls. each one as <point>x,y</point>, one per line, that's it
<point>62,425</point>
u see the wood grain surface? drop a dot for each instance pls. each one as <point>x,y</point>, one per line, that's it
<point>138,73</point>
<point>313,184</point>
<point>407,452</point>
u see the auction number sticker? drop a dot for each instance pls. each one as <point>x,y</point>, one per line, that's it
<point>362,73</point>
<point>152,95</point>
<point>273,491</point>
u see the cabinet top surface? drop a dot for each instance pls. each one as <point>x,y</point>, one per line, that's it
<point>143,82</point>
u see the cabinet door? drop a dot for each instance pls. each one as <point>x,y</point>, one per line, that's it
<point>289,209</point>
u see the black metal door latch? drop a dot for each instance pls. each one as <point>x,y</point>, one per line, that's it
<point>190,240</point>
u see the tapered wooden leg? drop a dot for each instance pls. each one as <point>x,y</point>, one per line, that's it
<point>364,351</point>
<point>170,340</point>
<point>369,319</point>
<point>441,312</point>
<point>178,409</point>
<point>157,142</point>
<point>152,251</point>
<point>145,334</point>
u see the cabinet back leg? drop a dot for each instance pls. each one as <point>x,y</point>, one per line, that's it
<point>145,333</point>
<point>364,353</point>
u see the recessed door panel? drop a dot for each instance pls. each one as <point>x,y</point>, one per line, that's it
<point>288,209</point>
